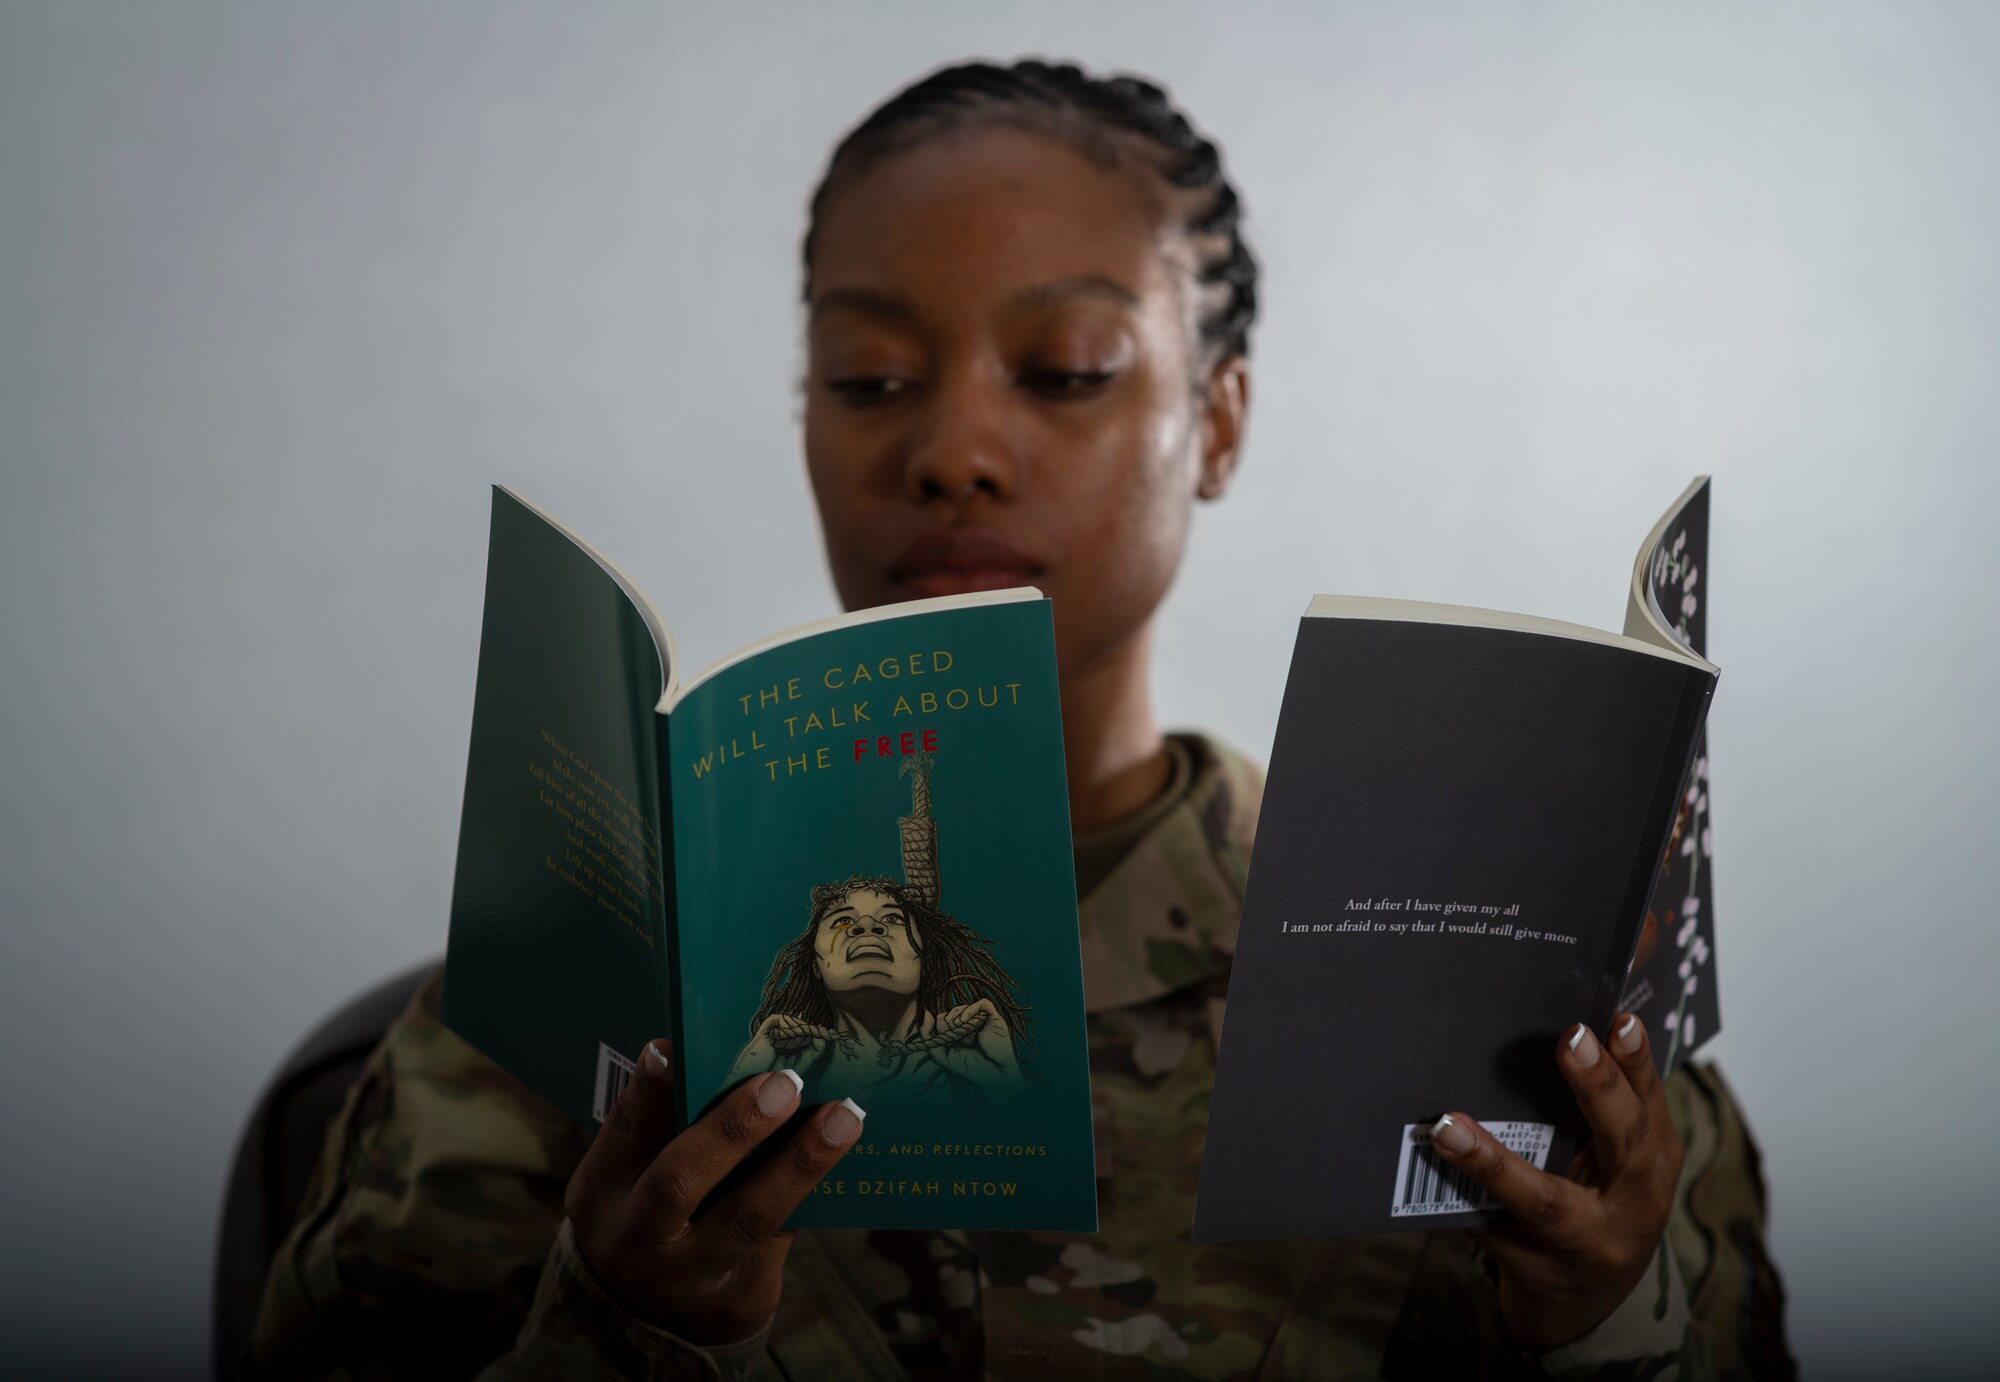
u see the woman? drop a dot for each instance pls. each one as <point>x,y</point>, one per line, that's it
<point>1029,308</point>
<point>885,997</point>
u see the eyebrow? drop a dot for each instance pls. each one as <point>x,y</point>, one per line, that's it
<point>1065,289</point>
<point>863,300</point>
<point>879,304</point>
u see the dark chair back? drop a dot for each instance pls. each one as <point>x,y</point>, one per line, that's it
<point>278,1149</point>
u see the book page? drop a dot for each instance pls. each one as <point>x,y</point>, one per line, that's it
<point>1670,617</point>
<point>849,620</point>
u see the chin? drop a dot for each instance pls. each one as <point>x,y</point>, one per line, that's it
<point>898,990</point>
<point>866,983</point>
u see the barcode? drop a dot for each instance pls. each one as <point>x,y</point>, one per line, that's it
<point>1426,1185</point>
<point>614,1072</point>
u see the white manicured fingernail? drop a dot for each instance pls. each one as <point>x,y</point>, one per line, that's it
<point>660,1061</point>
<point>1584,1047</point>
<point>1450,1136</point>
<point>843,1122</point>
<point>775,1096</point>
<point>1628,1036</point>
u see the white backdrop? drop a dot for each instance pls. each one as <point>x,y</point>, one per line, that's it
<point>283,288</point>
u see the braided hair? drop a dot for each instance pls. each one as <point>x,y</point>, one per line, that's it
<point>956,965</point>
<point>1098,116</point>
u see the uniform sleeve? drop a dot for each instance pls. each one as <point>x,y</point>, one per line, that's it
<point>1650,1335</point>
<point>1717,1233</point>
<point>432,1242</point>
<point>576,1329</point>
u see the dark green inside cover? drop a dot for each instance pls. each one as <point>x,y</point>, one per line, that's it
<point>558,917</point>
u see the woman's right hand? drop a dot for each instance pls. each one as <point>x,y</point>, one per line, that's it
<point>715,1279</point>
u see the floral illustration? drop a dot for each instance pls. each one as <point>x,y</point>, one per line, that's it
<point>1689,844</point>
<point>1674,578</point>
<point>1673,987</point>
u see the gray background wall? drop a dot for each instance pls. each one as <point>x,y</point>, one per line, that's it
<point>283,288</point>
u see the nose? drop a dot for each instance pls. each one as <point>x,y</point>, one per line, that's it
<point>964,445</point>
<point>869,926</point>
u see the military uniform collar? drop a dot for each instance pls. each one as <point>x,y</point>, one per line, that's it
<point>1165,917</point>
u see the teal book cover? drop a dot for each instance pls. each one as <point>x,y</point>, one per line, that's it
<point>886,903</point>
<point>843,851</point>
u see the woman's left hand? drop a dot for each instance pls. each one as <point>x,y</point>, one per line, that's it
<point>982,1049</point>
<point>1581,1244</point>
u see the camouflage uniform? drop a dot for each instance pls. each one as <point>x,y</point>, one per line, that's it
<point>432,1242</point>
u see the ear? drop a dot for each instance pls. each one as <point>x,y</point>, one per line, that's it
<point>1225,409</point>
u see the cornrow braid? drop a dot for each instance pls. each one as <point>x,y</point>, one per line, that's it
<point>1085,111</point>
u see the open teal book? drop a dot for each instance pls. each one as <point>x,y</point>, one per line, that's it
<point>844,850</point>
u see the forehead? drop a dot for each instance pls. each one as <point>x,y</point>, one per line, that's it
<point>863,900</point>
<point>966,219</point>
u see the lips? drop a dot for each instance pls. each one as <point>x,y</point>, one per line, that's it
<point>953,561</point>
<point>869,947</point>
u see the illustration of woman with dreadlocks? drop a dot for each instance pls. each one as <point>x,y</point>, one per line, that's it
<point>887,993</point>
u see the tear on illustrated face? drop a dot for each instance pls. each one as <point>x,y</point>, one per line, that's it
<point>867,941</point>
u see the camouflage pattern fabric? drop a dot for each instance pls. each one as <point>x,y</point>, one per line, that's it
<point>432,1241</point>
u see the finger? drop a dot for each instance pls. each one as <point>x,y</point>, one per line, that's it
<point>1654,1140</point>
<point>637,1125</point>
<point>1616,1117</point>
<point>755,1213</point>
<point>690,1166</point>
<point>1557,1211</point>
<point>1634,1053</point>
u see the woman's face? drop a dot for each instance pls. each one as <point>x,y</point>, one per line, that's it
<point>1001,387</point>
<point>864,941</point>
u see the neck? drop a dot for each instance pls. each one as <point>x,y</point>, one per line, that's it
<point>1112,746</point>
<point>876,1013</point>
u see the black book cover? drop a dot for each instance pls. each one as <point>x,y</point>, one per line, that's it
<point>1461,831</point>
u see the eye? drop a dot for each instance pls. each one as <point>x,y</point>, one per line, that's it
<point>1064,383</point>
<point>870,390</point>
<point>842,925</point>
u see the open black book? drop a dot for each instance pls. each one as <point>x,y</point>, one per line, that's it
<point>1462,831</point>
